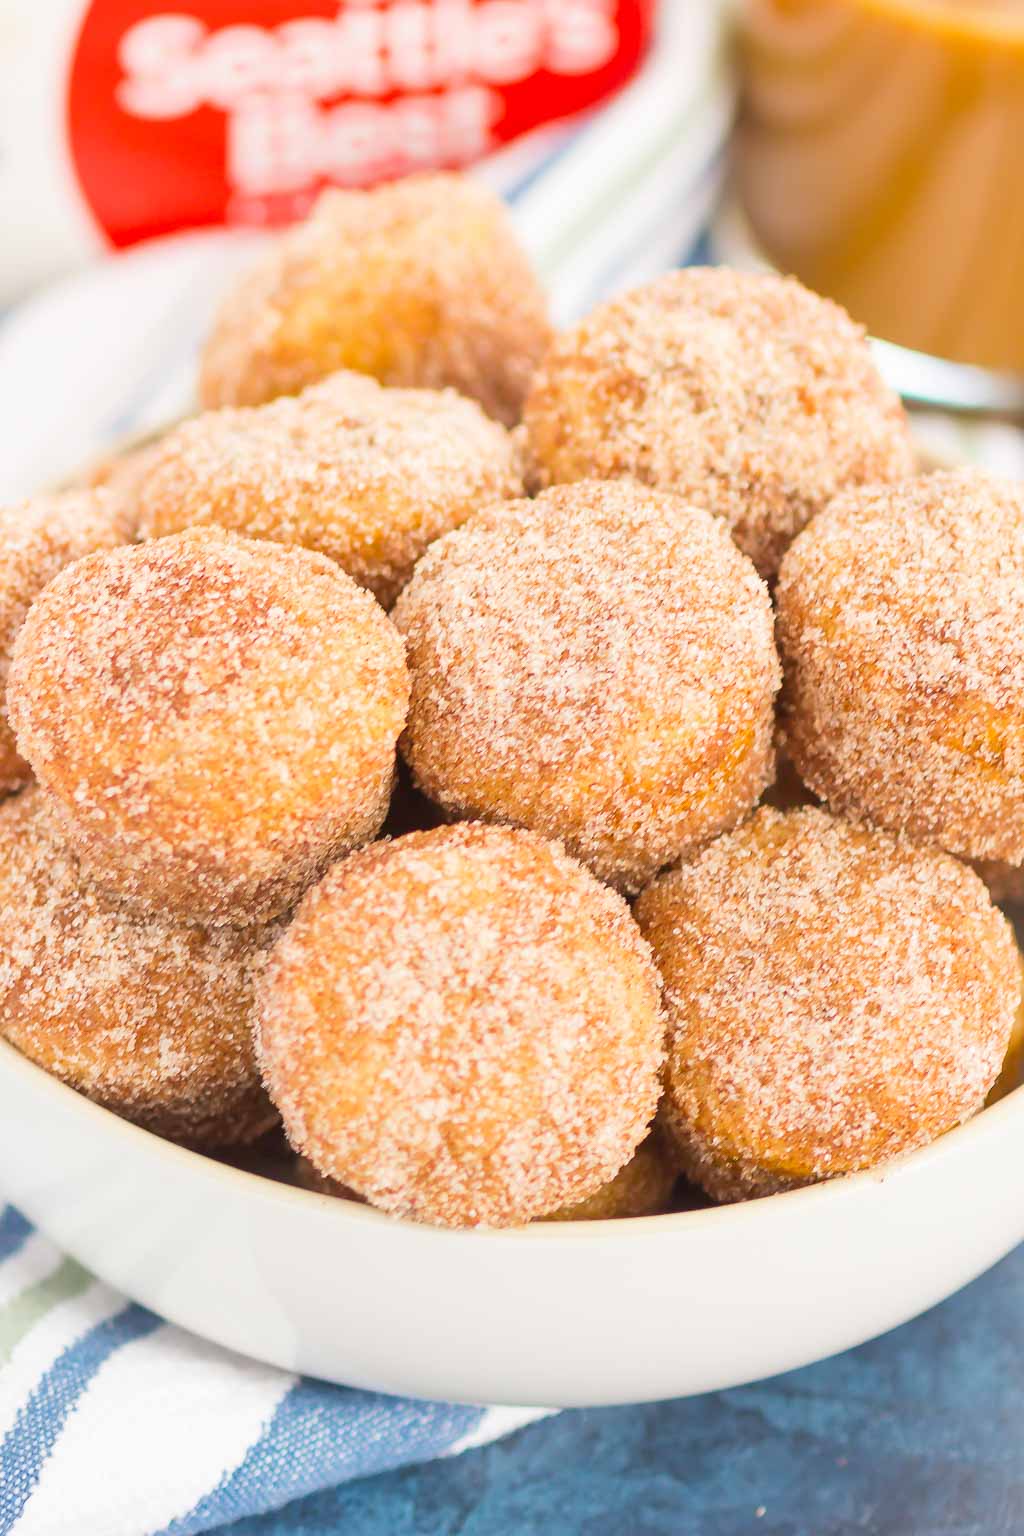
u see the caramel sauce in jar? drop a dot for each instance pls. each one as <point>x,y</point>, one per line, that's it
<point>880,158</point>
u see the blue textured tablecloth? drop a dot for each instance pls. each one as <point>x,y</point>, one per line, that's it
<point>920,1433</point>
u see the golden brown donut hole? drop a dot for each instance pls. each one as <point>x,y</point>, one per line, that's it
<point>213,719</point>
<point>744,393</point>
<point>901,622</point>
<point>597,664</point>
<point>420,282</point>
<point>463,1026</point>
<point>150,1018</point>
<point>836,997</point>
<point>365,475</point>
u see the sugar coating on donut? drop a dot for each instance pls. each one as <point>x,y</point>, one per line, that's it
<point>151,1019</point>
<point>835,996</point>
<point>366,475</point>
<point>464,1027</point>
<point>745,393</point>
<point>418,282</point>
<point>214,719</point>
<point>38,538</point>
<point>642,1188</point>
<point>597,664</point>
<point>901,619</point>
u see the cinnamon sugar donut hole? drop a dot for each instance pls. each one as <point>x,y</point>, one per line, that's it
<point>213,719</point>
<point>365,475</point>
<point>642,1188</point>
<point>746,394</point>
<point>149,1018</point>
<point>464,1027</point>
<point>418,282</point>
<point>38,538</point>
<point>901,620</point>
<point>597,664</point>
<point>836,997</point>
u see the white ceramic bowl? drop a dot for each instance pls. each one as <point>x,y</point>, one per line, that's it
<point>573,1314</point>
<point>601,1312</point>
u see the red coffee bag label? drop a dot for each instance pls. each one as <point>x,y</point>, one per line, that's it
<point>240,111</point>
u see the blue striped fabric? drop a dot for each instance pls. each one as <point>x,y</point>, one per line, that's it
<point>14,1229</point>
<point>88,1347</point>
<point>27,1445</point>
<point>321,1436</point>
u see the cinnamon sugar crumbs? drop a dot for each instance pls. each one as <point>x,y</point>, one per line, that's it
<point>901,616</point>
<point>366,475</point>
<point>213,719</point>
<point>464,1027</point>
<point>597,664</point>
<point>836,997</point>
<point>148,1018</point>
<point>746,394</point>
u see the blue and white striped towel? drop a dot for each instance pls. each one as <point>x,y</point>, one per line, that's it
<point>114,1423</point>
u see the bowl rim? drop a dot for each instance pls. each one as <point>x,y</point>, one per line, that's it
<point>984,1121</point>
